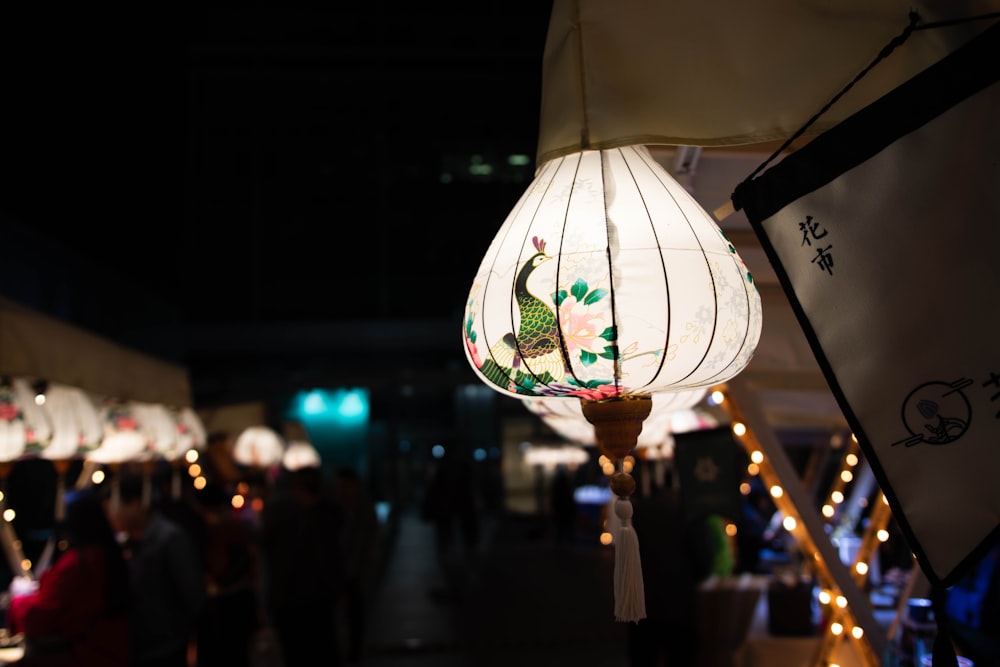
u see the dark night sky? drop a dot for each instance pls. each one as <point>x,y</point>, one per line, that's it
<point>273,161</point>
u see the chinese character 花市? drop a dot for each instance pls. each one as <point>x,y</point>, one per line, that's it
<point>824,259</point>
<point>810,229</point>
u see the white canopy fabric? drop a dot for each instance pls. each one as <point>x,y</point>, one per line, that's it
<point>720,74</point>
<point>35,345</point>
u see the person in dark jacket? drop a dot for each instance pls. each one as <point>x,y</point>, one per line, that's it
<point>302,551</point>
<point>166,573</point>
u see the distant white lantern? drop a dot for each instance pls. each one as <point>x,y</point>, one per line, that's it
<point>300,454</point>
<point>258,447</point>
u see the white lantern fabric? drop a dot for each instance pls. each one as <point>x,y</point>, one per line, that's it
<point>609,279</point>
<point>191,433</point>
<point>123,440</point>
<point>76,423</point>
<point>160,427</point>
<point>258,447</point>
<point>300,454</point>
<point>24,429</point>
<point>565,417</point>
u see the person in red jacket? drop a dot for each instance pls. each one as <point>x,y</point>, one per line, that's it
<point>77,612</point>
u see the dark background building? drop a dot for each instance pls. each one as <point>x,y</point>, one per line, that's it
<point>274,194</point>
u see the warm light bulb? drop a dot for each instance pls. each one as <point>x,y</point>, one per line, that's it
<point>731,529</point>
<point>717,397</point>
<point>757,456</point>
<point>861,567</point>
<point>608,468</point>
<point>753,469</point>
<point>828,511</point>
<point>837,497</point>
<point>8,515</point>
<point>851,459</point>
<point>194,470</point>
<point>789,523</point>
<point>824,597</point>
<point>606,538</point>
<point>97,476</point>
<point>777,491</point>
<point>739,428</point>
<point>841,601</point>
<point>846,476</point>
<point>238,501</point>
<point>836,628</point>
<point>857,632</point>
<point>882,535</point>
<point>191,455</point>
<point>200,482</point>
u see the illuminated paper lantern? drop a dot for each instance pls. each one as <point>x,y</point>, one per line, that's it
<point>300,454</point>
<point>608,283</point>
<point>258,447</point>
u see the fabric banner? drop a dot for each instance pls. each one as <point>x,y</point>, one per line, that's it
<point>706,462</point>
<point>883,232</point>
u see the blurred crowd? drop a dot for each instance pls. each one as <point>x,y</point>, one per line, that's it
<point>146,572</point>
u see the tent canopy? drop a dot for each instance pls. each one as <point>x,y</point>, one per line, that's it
<point>38,346</point>
<point>724,74</point>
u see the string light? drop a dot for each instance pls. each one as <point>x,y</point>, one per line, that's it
<point>839,617</point>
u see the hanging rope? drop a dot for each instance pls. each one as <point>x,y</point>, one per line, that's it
<point>883,54</point>
<point>894,43</point>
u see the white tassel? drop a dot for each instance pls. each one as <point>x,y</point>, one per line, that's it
<point>630,599</point>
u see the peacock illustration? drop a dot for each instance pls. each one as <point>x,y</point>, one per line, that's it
<point>537,341</point>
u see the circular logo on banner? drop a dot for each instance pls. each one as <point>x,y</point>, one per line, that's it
<point>936,413</point>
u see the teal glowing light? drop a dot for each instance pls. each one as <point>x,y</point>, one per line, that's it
<point>353,404</point>
<point>314,403</point>
<point>345,407</point>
